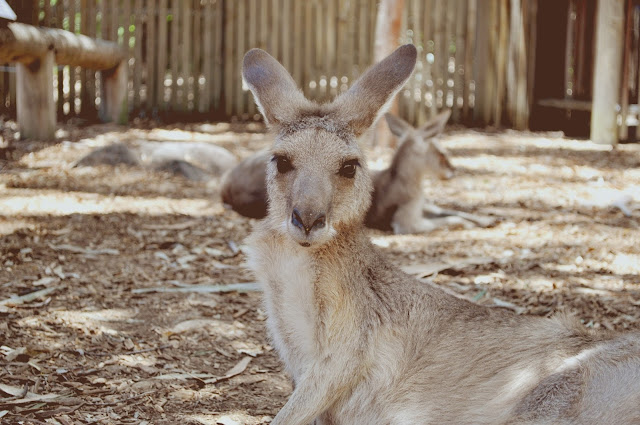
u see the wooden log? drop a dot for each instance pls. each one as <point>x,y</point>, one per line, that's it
<point>607,75</point>
<point>25,44</point>
<point>35,106</point>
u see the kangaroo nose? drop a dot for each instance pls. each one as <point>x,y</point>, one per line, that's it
<point>307,222</point>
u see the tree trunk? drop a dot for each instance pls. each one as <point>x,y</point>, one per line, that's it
<point>387,39</point>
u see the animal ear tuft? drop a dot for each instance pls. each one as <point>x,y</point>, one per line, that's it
<point>371,94</point>
<point>435,125</point>
<point>274,91</point>
<point>397,125</point>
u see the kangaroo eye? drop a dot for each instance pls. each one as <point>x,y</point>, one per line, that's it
<point>283,164</point>
<point>348,169</point>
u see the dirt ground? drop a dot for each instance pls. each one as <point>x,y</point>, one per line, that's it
<point>120,326</point>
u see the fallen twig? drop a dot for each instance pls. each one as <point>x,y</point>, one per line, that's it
<point>86,251</point>
<point>28,297</point>
<point>203,289</point>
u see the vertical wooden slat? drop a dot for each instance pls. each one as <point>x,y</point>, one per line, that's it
<point>185,61</point>
<point>624,95</point>
<point>531,54</point>
<point>103,22</point>
<point>196,70</point>
<point>418,77</point>
<point>458,78</point>
<point>298,44</point>
<point>126,42</point>
<point>47,13</point>
<point>138,64</point>
<point>285,34</point>
<point>252,6</point>
<point>150,58</point>
<point>502,48</point>
<point>229,64</point>
<point>468,57</point>
<point>446,69</point>
<point>363,37</point>
<point>176,7</point>
<point>405,100</point>
<point>72,70</point>
<point>207,56</point>
<point>274,35</point>
<point>330,40</point>
<point>114,24</point>
<point>264,24</point>
<point>439,23</point>
<point>320,49</point>
<point>236,87</point>
<point>308,50</point>
<point>218,62</point>
<point>163,41</point>
<point>84,74</point>
<point>59,16</point>
<point>428,56</point>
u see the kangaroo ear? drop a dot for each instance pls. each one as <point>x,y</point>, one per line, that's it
<point>275,92</point>
<point>397,125</point>
<point>435,125</point>
<point>371,94</point>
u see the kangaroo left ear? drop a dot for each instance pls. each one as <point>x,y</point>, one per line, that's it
<point>275,92</point>
<point>369,97</point>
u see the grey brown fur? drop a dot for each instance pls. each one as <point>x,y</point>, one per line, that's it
<point>368,344</point>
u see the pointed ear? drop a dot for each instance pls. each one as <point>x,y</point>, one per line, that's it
<point>397,125</point>
<point>371,94</point>
<point>435,125</point>
<point>275,92</point>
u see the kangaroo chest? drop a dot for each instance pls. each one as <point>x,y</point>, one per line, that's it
<point>287,276</point>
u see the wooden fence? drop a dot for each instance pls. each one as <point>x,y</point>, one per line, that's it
<point>475,56</point>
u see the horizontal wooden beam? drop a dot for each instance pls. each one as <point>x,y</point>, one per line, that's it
<point>25,44</point>
<point>572,104</point>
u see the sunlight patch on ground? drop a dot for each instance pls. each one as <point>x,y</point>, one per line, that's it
<point>8,227</point>
<point>20,202</point>
<point>231,418</point>
<point>94,321</point>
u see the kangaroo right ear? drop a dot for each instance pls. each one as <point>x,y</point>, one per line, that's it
<point>274,90</point>
<point>371,94</point>
<point>435,125</point>
<point>397,125</point>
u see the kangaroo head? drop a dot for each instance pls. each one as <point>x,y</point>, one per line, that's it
<point>419,148</point>
<point>317,180</point>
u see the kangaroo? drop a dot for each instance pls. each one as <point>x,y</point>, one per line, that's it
<point>367,344</point>
<point>397,204</point>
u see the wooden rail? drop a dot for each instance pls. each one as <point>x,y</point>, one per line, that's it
<point>36,50</point>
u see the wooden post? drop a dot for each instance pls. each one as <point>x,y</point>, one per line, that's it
<point>36,108</point>
<point>607,75</point>
<point>113,101</point>
<point>388,24</point>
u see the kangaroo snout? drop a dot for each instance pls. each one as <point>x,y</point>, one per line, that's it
<point>308,220</point>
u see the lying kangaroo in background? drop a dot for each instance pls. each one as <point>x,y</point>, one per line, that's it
<point>366,343</point>
<point>398,201</point>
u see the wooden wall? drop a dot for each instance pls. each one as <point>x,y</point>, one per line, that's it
<point>185,55</point>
